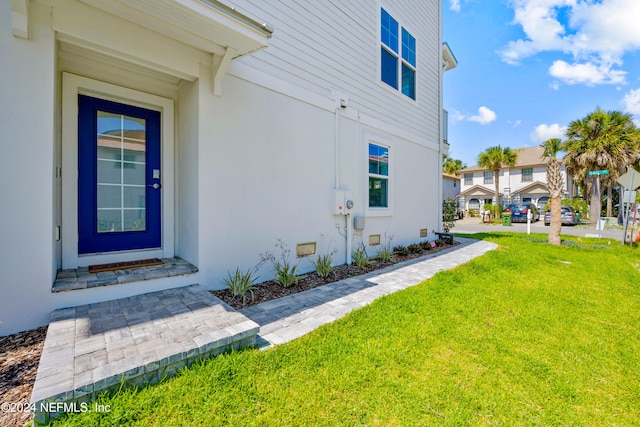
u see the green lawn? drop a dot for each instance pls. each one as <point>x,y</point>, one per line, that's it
<point>528,334</point>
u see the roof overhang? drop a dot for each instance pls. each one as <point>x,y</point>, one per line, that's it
<point>537,187</point>
<point>449,61</point>
<point>478,190</point>
<point>208,25</point>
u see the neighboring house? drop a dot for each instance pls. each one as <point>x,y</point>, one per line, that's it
<point>158,128</point>
<point>450,186</point>
<point>525,182</point>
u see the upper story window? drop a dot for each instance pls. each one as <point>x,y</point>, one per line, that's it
<point>397,56</point>
<point>468,178</point>
<point>527,175</point>
<point>488,177</point>
<point>378,176</point>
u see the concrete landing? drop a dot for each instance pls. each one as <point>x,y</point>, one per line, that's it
<point>136,341</point>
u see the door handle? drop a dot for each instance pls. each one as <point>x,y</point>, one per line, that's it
<point>155,186</point>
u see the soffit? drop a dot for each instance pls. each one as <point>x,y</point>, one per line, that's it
<point>84,61</point>
<point>206,25</point>
<point>449,61</point>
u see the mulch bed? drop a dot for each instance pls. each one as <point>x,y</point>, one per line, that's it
<point>19,357</point>
<point>270,290</point>
<point>20,353</point>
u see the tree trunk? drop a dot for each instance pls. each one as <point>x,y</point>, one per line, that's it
<point>609,201</point>
<point>495,175</point>
<point>555,203</point>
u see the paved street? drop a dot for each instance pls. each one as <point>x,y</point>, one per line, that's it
<point>474,225</point>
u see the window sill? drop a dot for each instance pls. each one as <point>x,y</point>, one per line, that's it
<point>379,212</point>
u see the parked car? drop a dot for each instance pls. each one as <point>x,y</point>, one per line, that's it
<point>569,216</point>
<point>519,212</point>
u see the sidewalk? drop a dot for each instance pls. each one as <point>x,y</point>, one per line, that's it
<point>287,318</point>
<point>470,225</point>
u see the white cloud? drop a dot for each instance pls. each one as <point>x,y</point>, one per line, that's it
<point>514,124</point>
<point>588,73</point>
<point>595,33</point>
<point>455,5</point>
<point>456,116</point>
<point>484,116</point>
<point>631,102</point>
<point>544,132</point>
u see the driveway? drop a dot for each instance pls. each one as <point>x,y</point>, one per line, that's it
<point>474,225</point>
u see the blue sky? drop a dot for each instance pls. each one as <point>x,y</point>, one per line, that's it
<point>527,68</point>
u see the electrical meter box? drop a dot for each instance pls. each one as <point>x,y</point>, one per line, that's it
<point>339,207</point>
<point>342,201</point>
<point>358,222</point>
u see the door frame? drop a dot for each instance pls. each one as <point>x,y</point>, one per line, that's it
<point>72,85</point>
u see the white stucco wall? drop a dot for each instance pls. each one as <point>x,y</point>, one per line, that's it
<point>27,174</point>
<point>267,172</point>
<point>251,166</point>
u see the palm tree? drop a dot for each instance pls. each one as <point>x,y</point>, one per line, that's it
<point>452,166</point>
<point>603,140</point>
<point>495,158</point>
<point>555,184</point>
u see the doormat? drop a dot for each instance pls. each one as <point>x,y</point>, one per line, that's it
<point>99,268</point>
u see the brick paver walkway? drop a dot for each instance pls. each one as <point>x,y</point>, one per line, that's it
<point>141,339</point>
<point>287,318</point>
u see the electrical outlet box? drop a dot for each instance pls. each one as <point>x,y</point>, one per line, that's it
<point>358,223</point>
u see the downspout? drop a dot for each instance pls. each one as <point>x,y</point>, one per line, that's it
<point>348,235</point>
<point>336,145</point>
<point>440,118</point>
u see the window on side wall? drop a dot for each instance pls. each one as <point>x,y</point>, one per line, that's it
<point>488,177</point>
<point>527,175</point>
<point>397,56</point>
<point>468,178</point>
<point>378,176</point>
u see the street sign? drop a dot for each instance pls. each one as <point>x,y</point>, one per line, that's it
<point>628,196</point>
<point>601,172</point>
<point>630,180</point>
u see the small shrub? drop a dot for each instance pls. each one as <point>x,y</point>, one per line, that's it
<point>401,250</point>
<point>426,245</point>
<point>385,253</point>
<point>240,283</point>
<point>415,248</point>
<point>359,256</point>
<point>322,264</point>
<point>284,272</point>
<point>449,211</point>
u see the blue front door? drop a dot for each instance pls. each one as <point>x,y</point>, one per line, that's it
<point>119,191</point>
